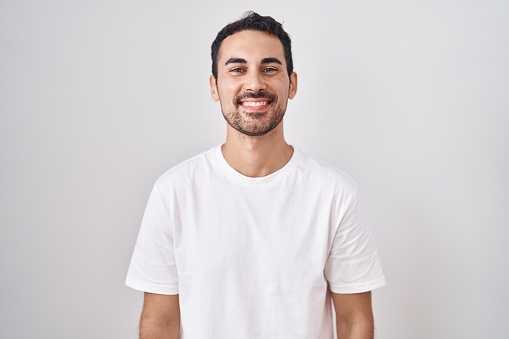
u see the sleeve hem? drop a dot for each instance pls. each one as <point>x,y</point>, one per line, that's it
<point>157,289</point>
<point>358,288</point>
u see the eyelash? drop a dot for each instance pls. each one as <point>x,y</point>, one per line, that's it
<point>265,70</point>
<point>270,70</point>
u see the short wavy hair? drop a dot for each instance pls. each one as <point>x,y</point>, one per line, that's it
<point>253,21</point>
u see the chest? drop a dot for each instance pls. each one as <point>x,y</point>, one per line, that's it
<point>274,233</point>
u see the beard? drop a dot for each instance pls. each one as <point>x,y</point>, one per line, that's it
<point>255,124</point>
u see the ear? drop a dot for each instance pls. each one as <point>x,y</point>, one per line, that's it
<point>213,88</point>
<point>293,86</point>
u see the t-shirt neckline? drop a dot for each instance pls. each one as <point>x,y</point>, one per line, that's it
<point>233,174</point>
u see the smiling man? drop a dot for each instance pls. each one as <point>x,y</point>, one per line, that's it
<point>253,85</point>
<point>254,238</point>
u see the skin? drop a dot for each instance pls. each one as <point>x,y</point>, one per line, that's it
<point>160,317</point>
<point>253,156</point>
<point>252,68</point>
<point>354,315</point>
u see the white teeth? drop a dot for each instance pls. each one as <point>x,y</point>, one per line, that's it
<point>254,103</point>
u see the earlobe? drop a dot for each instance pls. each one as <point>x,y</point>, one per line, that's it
<point>293,86</point>
<point>213,88</point>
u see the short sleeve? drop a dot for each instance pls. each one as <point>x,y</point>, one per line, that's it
<point>353,265</point>
<point>152,268</point>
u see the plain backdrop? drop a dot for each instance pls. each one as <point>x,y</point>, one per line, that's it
<point>98,98</point>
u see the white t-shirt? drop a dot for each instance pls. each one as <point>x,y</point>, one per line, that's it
<point>254,258</point>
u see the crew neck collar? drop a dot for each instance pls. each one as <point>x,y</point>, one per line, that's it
<point>241,178</point>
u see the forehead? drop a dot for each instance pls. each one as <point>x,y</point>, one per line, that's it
<point>252,46</point>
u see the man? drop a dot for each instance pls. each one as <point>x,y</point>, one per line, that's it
<point>253,238</point>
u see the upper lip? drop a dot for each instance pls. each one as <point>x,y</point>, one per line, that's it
<point>258,97</point>
<point>254,99</point>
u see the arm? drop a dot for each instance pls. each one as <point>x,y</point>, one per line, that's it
<point>354,315</point>
<point>160,317</point>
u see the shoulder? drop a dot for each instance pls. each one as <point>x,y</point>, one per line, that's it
<point>187,170</point>
<point>324,173</point>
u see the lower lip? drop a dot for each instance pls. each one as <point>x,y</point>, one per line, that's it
<point>255,109</point>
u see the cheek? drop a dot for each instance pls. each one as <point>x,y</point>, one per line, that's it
<point>281,87</point>
<point>282,93</point>
<point>229,92</point>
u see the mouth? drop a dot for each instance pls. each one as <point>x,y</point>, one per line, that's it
<point>258,107</point>
<point>263,103</point>
<point>255,103</point>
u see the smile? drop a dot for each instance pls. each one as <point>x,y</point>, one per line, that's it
<point>255,103</point>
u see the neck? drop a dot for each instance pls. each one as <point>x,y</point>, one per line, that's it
<point>257,156</point>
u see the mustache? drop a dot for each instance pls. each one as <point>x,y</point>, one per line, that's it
<point>259,95</point>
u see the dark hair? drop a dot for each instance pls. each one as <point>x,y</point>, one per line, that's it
<point>253,21</point>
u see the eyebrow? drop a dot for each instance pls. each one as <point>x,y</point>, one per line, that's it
<point>271,61</point>
<point>235,61</point>
<point>244,61</point>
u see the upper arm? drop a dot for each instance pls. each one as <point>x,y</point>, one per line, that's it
<point>161,310</point>
<point>353,264</point>
<point>353,308</point>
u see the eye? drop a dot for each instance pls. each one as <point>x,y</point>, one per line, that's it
<point>237,70</point>
<point>270,70</point>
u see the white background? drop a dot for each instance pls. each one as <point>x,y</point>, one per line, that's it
<point>98,98</point>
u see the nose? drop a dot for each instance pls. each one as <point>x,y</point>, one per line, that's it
<point>254,82</point>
